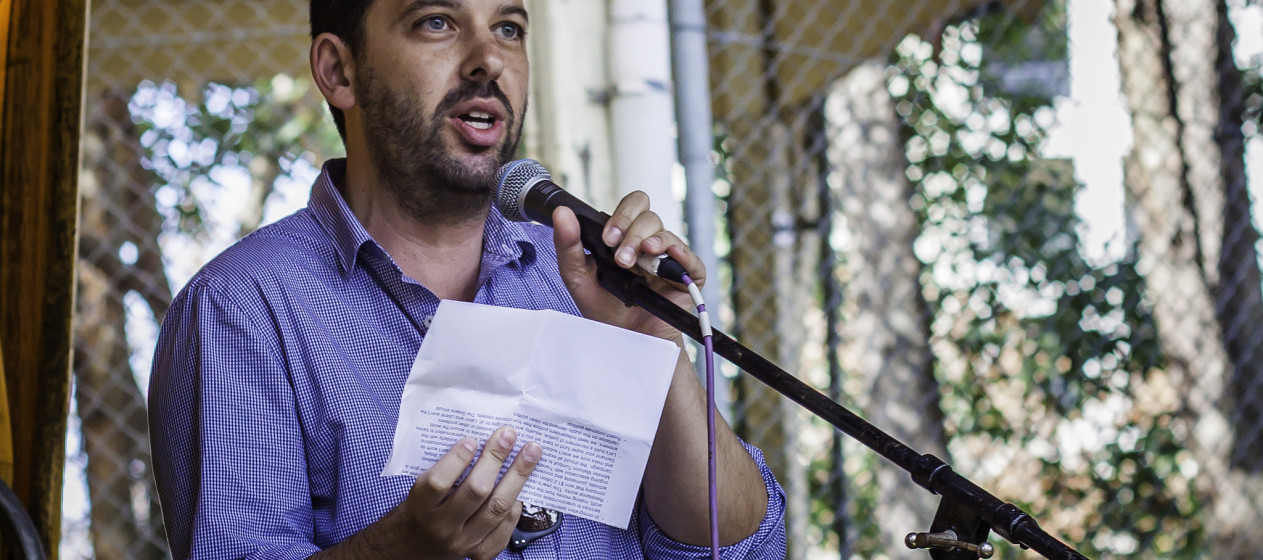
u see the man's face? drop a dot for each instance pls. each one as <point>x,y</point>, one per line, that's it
<point>442,86</point>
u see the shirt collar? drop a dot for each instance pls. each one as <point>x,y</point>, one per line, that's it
<point>503,240</point>
<point>506,239</point>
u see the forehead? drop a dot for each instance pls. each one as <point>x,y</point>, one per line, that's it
<point>487,7</point>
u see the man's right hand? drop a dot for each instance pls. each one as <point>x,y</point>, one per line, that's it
<point>441,521</point>
<point>477,518</point>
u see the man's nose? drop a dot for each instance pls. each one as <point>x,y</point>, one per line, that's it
<point>485,59</point>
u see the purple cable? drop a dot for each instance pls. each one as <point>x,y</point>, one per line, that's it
<point>709,343</point>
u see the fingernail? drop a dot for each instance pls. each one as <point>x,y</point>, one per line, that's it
<point>626,256</point>
<point>612,236</point>
<point>469,444</point>
<point>507,437</point>
<point>654,243</point>
<point>531,452</point>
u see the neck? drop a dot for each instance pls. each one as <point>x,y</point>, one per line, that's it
<point>444,254</point>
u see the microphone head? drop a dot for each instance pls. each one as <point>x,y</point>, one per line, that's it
<point>513,181</point>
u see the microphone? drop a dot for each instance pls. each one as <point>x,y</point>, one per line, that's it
<point>525,192</point>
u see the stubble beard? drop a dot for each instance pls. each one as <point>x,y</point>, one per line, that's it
<point>429,181</point>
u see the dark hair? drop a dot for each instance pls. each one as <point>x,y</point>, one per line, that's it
<point>344,18</point>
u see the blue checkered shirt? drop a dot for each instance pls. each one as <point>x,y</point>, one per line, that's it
<point>277,381</point>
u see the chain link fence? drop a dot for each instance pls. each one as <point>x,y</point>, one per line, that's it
<point>940,215</point>
<point>1015,234</point>
<point>200,125</point>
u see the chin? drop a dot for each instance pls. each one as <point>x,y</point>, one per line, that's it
<point>482,167</point>
<point>471,169</point>
<point>463,173</point>
<point>486,160</point>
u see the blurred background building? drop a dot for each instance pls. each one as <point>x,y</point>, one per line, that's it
<point>1021,235</point>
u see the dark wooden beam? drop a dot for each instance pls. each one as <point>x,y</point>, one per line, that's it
<point>40,123</point>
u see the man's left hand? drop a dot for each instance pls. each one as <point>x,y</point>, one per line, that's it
<point>633,230</point>
<point>677,499</point>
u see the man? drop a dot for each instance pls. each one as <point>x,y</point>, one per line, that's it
<point>280,367</point>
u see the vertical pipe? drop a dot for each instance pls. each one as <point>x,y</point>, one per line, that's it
<point>695,138</point>
<point>640,103</point>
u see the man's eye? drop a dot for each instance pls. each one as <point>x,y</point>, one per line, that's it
<point>511,31</point>
<point>433,23</point>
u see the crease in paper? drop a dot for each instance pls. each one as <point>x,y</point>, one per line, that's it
<point>589,393</point>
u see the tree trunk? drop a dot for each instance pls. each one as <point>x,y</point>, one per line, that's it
<point>118,208</point>
<point>1239,295</point>
<point>885,333</point>
<point>112,420</point>
<point>774,269</point>
<point>1180,177</point>
<point>770,288</point>
<point>264,170</point>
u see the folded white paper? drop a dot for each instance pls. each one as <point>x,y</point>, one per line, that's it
<point>589,393</point>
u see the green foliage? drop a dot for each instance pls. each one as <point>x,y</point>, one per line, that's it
<point>193,148</point>
<point>1052,354</point>
<point>1253,87</point>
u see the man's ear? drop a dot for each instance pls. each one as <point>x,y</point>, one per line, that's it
<point>333,68</point>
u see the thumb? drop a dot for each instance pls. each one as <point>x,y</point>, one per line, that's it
<point>572,262</point>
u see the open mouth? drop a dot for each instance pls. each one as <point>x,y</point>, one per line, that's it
<point>480,123</point>
<point>478,119</point>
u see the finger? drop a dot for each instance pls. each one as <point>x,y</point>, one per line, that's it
<point>628,209</point>
<point>643,226</point>
<point>572,262</point>
<point>435,484</point>
<point>671,244</point>
<point>477,487</point>
<point>499,536</point>
<point>505,496</point>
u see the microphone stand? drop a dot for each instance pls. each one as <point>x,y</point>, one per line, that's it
<point>966,512</point>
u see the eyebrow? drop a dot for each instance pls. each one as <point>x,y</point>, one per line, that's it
<point>421,4</point>
<point>504,10</point>
<point>515,10</point>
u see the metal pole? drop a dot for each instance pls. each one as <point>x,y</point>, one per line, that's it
<point>691,71</point>
<point>967,502</point>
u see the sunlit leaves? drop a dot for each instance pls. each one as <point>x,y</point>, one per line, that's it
<point>1042,353</point>
<point>196,149</point>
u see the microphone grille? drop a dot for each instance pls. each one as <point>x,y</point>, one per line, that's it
<point>512,180</point>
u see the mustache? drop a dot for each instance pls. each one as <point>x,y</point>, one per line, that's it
<point>474,90</point>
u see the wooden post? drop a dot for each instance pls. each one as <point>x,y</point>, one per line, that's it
<point>43,48</point>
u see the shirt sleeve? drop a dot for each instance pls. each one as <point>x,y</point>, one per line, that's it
<point>766,542</point>
<point>227,444</point>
